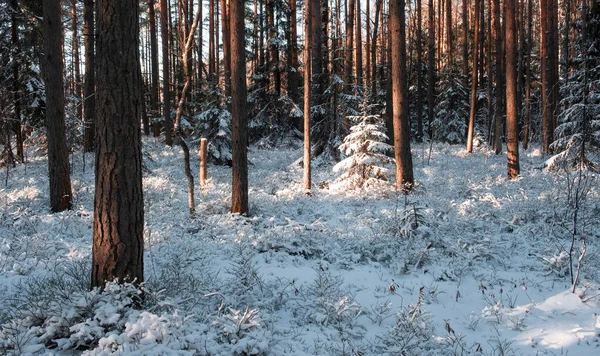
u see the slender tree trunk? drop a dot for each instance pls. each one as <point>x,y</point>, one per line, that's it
<point>293,77</point>
<point>226,49</point>
<point>164,29</point>
<point>374,49</point>
<point>498,117</point>
<point>118,248</point>
<point>188,41</point>
<point>16,126</point>
<point>528,75</point>
<point>349,45</point>
<point>544,46</point>
<point>153,59</point>
<point>520,33</point>
<point>58,154</point>
<point>419,73</point>
<point>431,69</point>
<point>368,45</point>
<point>211,40</point>
<point>402,154</point>
<point>239,122</point>
<point>512,134</point>
<point>465,40</point>
<point>473,109</point>
<point>89,88</point>
<point>312,6</point>
<point>449,42</point>
<point>490,96</point>
<point>465,54</point>
<point>273,49</point>
<point>76,70</point>
<point>200,45</point>
<point>359,56</point>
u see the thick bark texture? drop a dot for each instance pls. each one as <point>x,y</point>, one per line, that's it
<point>402,154</point>
<point>117,252</point>
<point>58,154</point>
<point>239,121</point>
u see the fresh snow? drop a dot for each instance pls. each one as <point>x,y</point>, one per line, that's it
<point>468,263</point>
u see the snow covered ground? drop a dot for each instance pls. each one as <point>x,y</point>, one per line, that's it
<point>469,263</point>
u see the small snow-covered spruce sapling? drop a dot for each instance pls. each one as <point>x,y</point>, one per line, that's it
<point>365,150</point>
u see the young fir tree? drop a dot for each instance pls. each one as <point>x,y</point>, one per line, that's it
<point>366,153</point>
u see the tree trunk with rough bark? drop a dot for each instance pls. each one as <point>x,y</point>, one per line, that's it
<point>58,154</point>
<point>402,154</point>
<point>118,247</point>
<point>239,121</point>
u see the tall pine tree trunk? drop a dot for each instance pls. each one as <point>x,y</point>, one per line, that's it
<point>89,88</point>
<point>153,59</point>
<point>431,68</point>
<point>58,154</point>
<point>349,45</point>
<point>474,77</point>
<point>402,154</point>
<point>226,49</point>
<point>118,247</point>
<point>498,117</point>
<point>211,40</point>
<point>164,29</point>
<point>368,45</point>
<point>359,56</point>
<point>75,45</point>
<point>16,126</point>
<point>239,121</point>
<point>378,4</point>
<point>512,134</point>
<point>293,78</point>
<point>419,73</point>
<point>526,129</point>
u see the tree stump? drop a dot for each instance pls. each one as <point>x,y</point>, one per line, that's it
<point>203,159</point>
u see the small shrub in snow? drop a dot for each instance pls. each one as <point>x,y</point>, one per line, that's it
<point>365,151</point>
<point>410,335</point>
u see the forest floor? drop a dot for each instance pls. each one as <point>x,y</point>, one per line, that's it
<point>468,263</point>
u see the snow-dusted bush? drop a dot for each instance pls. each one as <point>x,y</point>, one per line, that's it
<point>365,151</point>
<point>410,335</point>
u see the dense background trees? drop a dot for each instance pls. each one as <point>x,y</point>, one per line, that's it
<point>547,46</point>
<point>528,72</point>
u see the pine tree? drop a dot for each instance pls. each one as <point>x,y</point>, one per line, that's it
<point>366,153</point>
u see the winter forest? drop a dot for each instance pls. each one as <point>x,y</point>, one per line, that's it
<point>300,177</point>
